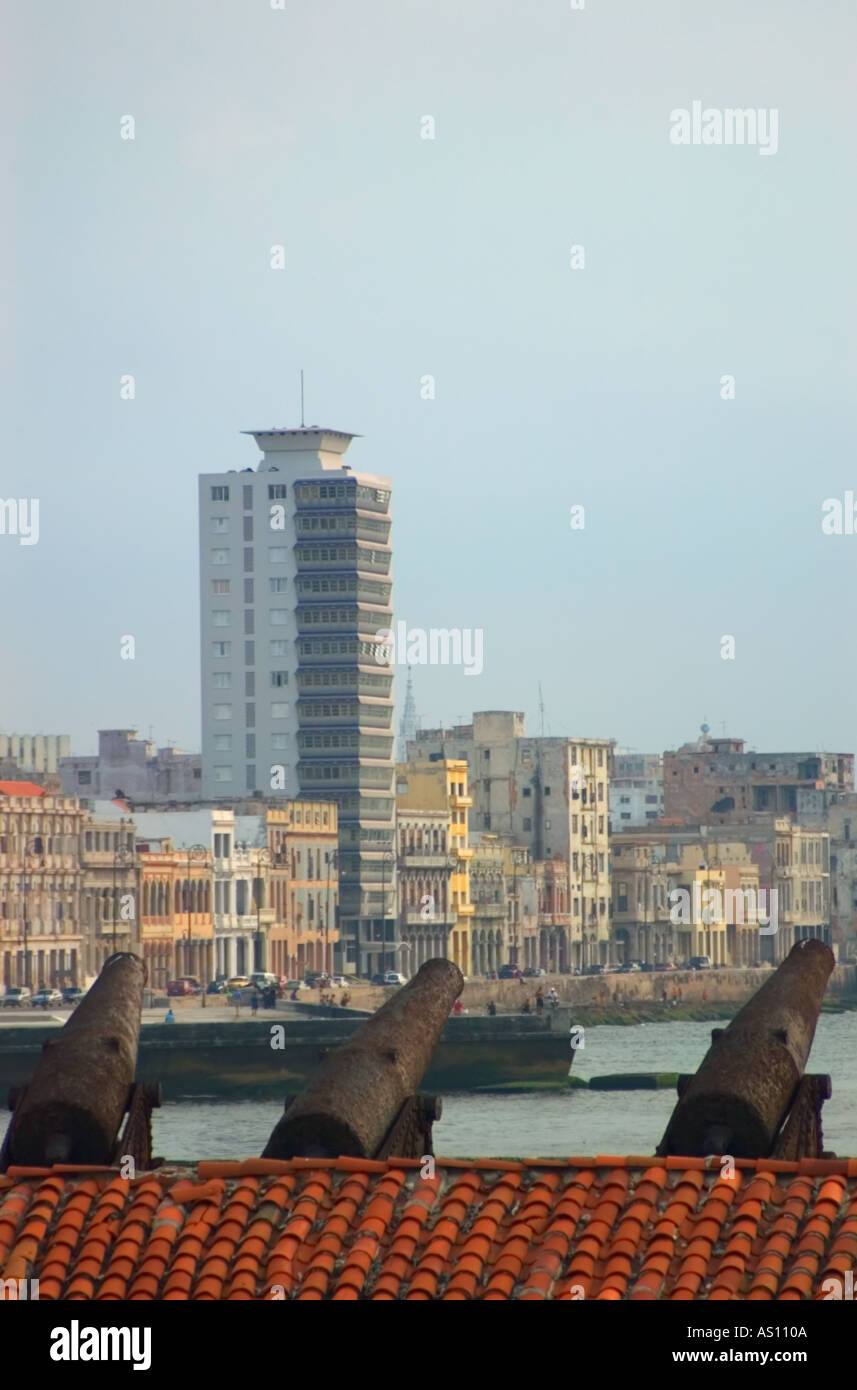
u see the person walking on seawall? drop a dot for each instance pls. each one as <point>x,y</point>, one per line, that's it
<point>170,1016</point>
<point>553,997</point>
<point>254,1004</point>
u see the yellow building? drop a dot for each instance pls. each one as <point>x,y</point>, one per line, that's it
<point>433,798</point>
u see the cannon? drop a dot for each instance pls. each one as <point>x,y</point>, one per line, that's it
<point>71,1109</point>
<point>361,1102</point>
<point>750,1097</point>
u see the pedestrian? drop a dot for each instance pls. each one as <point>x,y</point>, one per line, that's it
<point>553,997</point>
<point>294,996</point>
<point>170,1018</point>
<point>236,999</point>
<point>457,1007</point>
<point>492,1008</point>
<point>540,1000</point>
<point>254,1003</point>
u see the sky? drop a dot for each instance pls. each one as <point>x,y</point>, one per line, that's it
<point>407,257</point>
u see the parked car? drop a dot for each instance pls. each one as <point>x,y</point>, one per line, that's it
<point>196,987</point>
<point>699,963</point>
<point>533,971</point>
<point>662,965</point>
<point>216,987</point>
<point>595,970</point>
<point>509,972</point>
<point>376,980</point>
<point>294,984</point>
<point>238,982</point>
<point>15,995</point>
<point>630,967</point>
<point>178,989</point>
<point>72,995</point>
<point>47,998</point>
<point>340,982</point>
<point>646,966</point>
<point>311,976</point>
<point>392,977</point>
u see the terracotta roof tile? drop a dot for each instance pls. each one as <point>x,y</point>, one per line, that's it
<point>607,1228</point>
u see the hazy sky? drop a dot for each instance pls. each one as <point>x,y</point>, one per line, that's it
<point>407,257</point>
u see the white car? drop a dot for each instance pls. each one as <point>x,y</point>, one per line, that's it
<point>15,995</point>
<point>392,977</point>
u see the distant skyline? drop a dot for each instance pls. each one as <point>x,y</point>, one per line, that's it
<point>450,258</point>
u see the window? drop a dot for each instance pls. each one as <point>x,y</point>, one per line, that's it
<point>277,586</point>
<point>223,774</point>
<point>249,622</point>
<point>279,710</point>
<point>528,824</point>
<point>84,779</point>
<point>277,554</point>
<point>223,711</point>
<point>220,557</point>
<point>600,791</point>
<point>220,494</point>
<point>248,591</point>
<point>278,617</point>
<point>250,716</point>
<point>625,815</point>
<point>223,743</point>
<point>220,617</point>
<point>219,524</point>
<point>248,559</point>
<point>527,791</point>
<point>250,684</point>
<point>220,586</point>
<point>249,745</point>
<point>222,680</point>
<point>486,822</point>
<point>222,648</point>
<point>276,491</point>
<point>574,825</point>
<point>248,497</point>
<point>279,647</point>
<point>248,528</point>
<point>547,791</point>
<point>653,800</point>
<point>279,678</point>
<point>279,740</point>
<point>487,754</point>
<point>249,653</point>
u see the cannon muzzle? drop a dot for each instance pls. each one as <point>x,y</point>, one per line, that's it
<point>73,1106</point>
<point>353,1099</point>
<point>746,1085</point>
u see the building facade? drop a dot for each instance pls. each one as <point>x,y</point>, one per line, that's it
<point>133,768</point>
<point>41,938</point>
<point>549,795</point>
<point>715,782</point>
<point>636,789</point>
<point>432,808</point>
<point>296,582</point>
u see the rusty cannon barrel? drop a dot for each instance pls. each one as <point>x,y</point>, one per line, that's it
<point>73,1106</point>
<point>739,1097</point>
<point>350,1102</point>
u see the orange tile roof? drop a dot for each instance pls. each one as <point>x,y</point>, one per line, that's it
<point>21,789</point>
<point>607,1228</point>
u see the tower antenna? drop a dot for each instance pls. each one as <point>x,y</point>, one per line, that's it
<point>302,397</point>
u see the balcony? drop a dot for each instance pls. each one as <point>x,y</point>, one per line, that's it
<point>489,909</point>
<point>419,859</point>
<point>461,803</point>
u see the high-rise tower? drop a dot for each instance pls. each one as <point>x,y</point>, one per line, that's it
<point>296,581</point>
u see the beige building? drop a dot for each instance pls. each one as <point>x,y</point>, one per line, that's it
<point>41,939</point>
<point>110,881</point>
<point>549,795</point>
<point>434,854</point>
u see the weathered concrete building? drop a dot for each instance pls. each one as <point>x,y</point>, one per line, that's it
<point>133,768</point>
<point>550,795</point>
<point>715,782</point>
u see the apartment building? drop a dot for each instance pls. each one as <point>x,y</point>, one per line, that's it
<point>715,782</point>
<point>549,795</point>
<point>41,939</point>
<point>438,786</point>
<point>296,581</point>
<point>134,769</point>
<point>636,789</point>
<point>110,890</point>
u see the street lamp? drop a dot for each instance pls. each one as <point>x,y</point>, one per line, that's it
<point>196,853</point>
<point>121,855</point>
